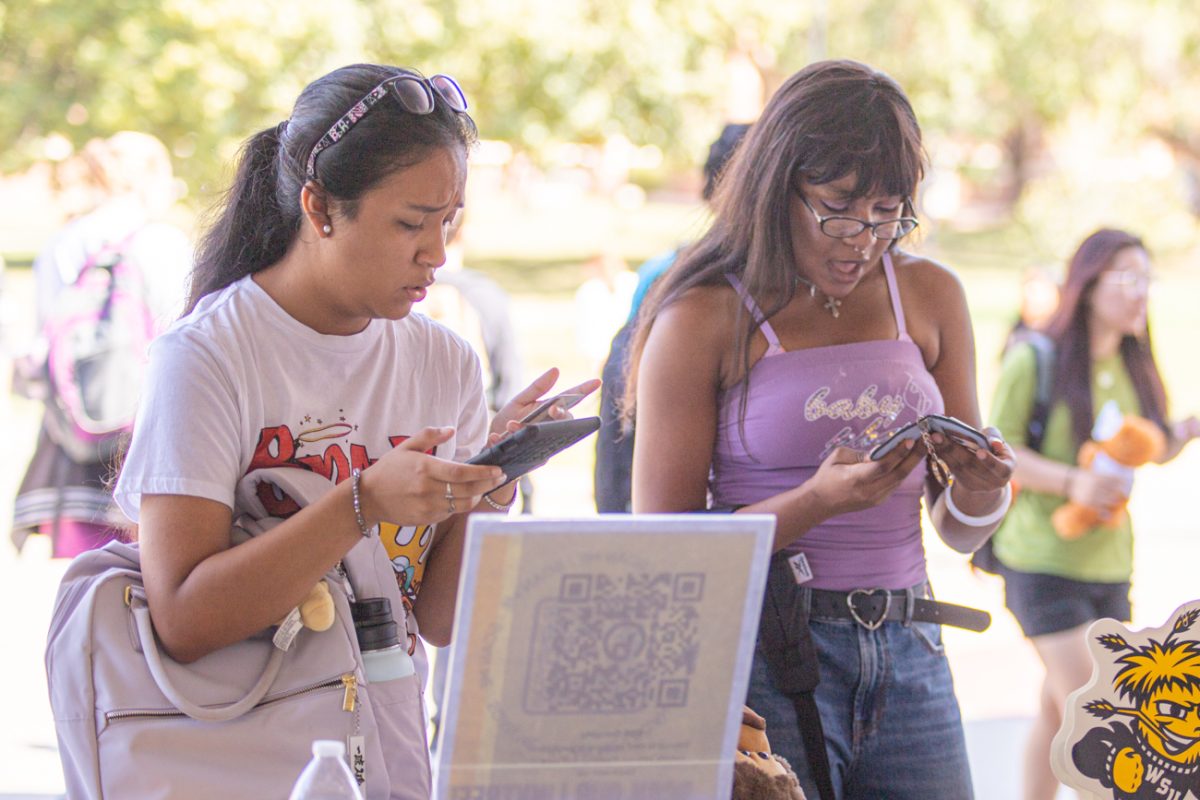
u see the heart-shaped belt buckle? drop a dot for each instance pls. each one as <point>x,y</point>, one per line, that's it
<point>887,605</point>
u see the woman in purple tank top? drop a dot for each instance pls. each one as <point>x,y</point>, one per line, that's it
<point>779,350</point>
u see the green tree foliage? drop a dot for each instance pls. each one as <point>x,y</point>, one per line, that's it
<point>203,74</point>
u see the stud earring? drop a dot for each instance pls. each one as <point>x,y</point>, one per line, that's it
<point>327,228</point>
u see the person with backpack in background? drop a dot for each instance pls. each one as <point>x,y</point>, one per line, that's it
<point>1095,350</point>
<point>105,285</point>
<point>614,440</point>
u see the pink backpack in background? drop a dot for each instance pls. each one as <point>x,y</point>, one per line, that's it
<point>97,338</point>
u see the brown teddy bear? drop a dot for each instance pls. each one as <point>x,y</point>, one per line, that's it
<point>759,774</point>
<point>1119,443</point>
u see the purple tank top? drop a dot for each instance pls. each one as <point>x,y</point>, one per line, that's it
<point>800,406</point>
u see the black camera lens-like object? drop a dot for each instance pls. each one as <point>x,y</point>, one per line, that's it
<point>374,624</point>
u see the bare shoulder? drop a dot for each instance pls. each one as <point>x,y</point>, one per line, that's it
<point>926,276</point>
<point>704,312</point>
<point>692,336</point>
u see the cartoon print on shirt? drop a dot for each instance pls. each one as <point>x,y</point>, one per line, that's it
<point>277,446</point>
<point>407,548</point>
<point>882,412</point>
<point>1156,753</point>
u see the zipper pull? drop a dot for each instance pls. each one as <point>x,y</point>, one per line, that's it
<point>350,696</point>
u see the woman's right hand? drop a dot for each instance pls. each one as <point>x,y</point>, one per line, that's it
<point>1101,493</point>
<point>848,480</point>
<point>408,486</point>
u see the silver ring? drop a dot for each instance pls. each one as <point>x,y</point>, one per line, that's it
<point>450,498</point>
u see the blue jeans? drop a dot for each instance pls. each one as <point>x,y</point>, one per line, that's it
<point>891,720</point>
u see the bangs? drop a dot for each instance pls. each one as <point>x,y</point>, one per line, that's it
<point>874,139</point>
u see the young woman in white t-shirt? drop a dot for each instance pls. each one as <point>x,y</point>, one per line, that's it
<point>298,359</point>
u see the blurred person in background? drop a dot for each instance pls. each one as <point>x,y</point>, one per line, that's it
<point>1038,302</point>
<point>1054,586</point>
<point>467,297</point>
<point>779,350</point>
<point>602,304</point>
<point>475,307</point>
<point>614,440</point>
<point>64,493</point>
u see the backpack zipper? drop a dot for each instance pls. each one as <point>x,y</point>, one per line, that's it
<point>348,682</point>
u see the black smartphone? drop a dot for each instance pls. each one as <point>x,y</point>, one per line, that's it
<point>903,434</point>
<point>533,445</point>
<point>542,412</point>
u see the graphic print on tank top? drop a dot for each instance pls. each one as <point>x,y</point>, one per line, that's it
<point>869,417</point>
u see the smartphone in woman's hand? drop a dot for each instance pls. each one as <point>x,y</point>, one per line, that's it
<point>564,401</point>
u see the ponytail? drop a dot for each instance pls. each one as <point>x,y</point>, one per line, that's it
<point>260,216</point>
<point>250,229</point>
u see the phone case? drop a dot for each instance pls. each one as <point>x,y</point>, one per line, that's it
<point>934,423</point>
<point>533,445</point>
<point>956,429</point>
<point>910,431</point>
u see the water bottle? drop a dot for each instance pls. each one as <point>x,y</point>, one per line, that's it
<point>384,657</point>
<point>326,777</point>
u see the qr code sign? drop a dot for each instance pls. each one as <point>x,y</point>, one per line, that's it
<point>612,644</point>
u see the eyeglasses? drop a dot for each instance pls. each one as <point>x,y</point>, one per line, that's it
<point>1128,280</point>
<point>415,94</point>
<point>839,227</point>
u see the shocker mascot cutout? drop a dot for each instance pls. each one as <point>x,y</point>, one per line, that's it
<point>1134,731</point>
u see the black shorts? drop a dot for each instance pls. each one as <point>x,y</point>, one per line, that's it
<point>1048,604</point>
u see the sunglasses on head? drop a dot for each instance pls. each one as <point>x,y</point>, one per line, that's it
<point>415,93</point>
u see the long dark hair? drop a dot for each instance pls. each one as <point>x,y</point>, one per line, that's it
<point>259,216</point>
<point>828,120</point>
<point>1068,328</point>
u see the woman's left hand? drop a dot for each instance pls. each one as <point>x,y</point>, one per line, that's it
<point>508,418</point>
<point>976,469</point>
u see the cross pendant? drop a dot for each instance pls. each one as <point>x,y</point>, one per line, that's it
<point>832,305</point>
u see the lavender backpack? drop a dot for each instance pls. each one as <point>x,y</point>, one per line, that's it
<point>237,723</point>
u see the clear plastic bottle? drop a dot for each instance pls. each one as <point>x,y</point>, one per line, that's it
<point>326,777</point>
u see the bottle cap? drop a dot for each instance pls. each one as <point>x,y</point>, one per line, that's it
<point>373,623</point>
<point>328,747</point>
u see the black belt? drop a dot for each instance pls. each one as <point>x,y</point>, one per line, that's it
<point>872,607</point>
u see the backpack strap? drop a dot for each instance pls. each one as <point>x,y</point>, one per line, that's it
<point>791,655</point>
<point>1043,355</point>
<point>109,249</point>
<point>145,628</point>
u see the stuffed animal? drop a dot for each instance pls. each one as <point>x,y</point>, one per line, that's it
<point>1119,443</point>
<point>316,609</point>
<point>759,774</point>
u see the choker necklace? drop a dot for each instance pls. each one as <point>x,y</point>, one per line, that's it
<point>832,304</point>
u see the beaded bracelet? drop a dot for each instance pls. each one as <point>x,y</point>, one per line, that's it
<point>983,520</point>
<point>355,478</point>
<point>498,506</point>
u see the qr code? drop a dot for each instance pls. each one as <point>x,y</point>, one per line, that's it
<point>612,644</point>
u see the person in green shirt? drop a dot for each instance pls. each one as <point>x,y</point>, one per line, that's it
<point>1053,586</point>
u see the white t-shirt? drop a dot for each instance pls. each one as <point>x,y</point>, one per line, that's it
<point>239,389</point>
